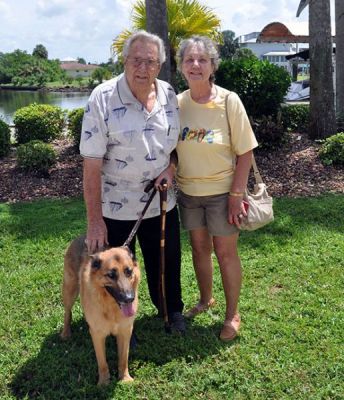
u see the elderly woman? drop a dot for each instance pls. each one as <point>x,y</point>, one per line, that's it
<point>213,166</point>
<point>129,131</point>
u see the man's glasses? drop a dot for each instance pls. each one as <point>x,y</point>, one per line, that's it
<point>137,62</point>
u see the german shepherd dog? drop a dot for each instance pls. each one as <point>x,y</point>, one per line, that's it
<point>108,284</point>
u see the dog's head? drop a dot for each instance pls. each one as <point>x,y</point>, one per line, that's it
<point>116,271</point>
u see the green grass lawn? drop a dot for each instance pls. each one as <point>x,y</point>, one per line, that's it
<point>292,307</point>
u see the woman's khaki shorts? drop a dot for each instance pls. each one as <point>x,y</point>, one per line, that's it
<point>209,212</point>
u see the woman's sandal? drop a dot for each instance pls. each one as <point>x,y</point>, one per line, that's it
<point>230,328</point>
<point>199,308</point>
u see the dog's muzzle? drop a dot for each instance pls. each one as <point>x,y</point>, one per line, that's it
<point>124,299</point>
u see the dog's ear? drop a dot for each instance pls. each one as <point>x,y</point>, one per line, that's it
<point>131,255</point>
<point>96,262</point>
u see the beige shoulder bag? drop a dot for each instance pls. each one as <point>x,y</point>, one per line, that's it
<point>260,211</point>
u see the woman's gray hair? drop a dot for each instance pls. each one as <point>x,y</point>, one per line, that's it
<point>210,49</point>
<point>145,37</point>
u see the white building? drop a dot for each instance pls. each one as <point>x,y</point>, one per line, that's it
<point>273,52</point>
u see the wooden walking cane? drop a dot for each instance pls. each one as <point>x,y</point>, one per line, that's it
<point>163,207</point>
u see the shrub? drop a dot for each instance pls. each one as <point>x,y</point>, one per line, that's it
<point>36,156</point>
<point>5,139</point>
<point>74,124</point>
<point>295,117</point>
<point>269,132</point>
<point>260,84</point>
<point>332,150</point>
<point>38,122</point>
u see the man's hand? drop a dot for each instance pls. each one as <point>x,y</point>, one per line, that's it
<point>96,238</point>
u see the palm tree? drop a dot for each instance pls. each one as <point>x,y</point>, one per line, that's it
<point>156,14</point>
<point>340,59</point>
<point>322,110</point>
<point>185,18</point>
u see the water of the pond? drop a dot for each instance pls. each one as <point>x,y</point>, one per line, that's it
<point>11,100</point>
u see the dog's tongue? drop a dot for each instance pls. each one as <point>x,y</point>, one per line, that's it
<point>128,310</point>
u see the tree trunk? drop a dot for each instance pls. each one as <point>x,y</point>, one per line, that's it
<point>156,14</point>
<point>322,109</point>
<point>340,61</point>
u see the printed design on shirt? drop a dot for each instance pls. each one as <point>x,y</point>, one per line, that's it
<point>150,156</point>
<point>123,184</point>
<point>120,164</point>
<point>119,112</point>
<point>128,135</point>
<point>124,200</point>
<point>113,142</point>
<point>108,185</point>
<point>197,134</point>
<point>115,206</point>
<point>88,135</point>
<point>169,113</point>
<point>148,133</point>
<point>87,108</point>
<point>145,198</point>
<point>129,159</point>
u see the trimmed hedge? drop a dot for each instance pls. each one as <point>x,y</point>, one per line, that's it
<point>74,124</point>
<point>295,117</point>
<point>260,84</point>
<point>38,122</point>
<point>36,156</point>
<point>5,138</point>
<point>332,150</point>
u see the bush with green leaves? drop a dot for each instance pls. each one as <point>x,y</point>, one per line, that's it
<point>36,156</point>
<point>295,117</point>
<point>260,84</point>
<point>332,150</point>
<point>74,124</point>
<point>5,138</point>
<point>38,122</point>
<point>269,132</point>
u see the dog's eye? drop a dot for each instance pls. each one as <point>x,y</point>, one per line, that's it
<point>112,274</point>
<point>128,272</point>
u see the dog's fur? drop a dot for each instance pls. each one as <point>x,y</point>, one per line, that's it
<point>108,283</point>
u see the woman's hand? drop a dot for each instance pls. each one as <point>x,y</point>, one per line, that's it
<point>165,179</point>
<point>236,210</point>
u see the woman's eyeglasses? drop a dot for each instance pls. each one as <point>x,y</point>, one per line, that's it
<point>137,62</point>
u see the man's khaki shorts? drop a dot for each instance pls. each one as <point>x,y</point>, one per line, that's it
<point>209,212</point>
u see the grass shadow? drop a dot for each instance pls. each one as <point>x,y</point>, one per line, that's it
<point>76,375</point>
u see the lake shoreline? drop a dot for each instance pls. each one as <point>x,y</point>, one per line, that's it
<point>64,89</point>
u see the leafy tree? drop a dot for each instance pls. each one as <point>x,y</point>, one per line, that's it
<point>21,68</point>
<point>229,46</point>
<point>101,74</point>
<point>40,51</point>
<point>81,60</point>
<point>244,53</point>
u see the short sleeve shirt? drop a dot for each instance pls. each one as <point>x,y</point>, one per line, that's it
<point>206,152</point>
<point>135,145</point>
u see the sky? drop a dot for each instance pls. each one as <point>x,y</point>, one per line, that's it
<point>86,28</point>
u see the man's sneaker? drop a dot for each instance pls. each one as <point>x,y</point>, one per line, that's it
<point>177,322</point>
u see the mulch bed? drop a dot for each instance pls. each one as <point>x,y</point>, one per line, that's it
<point>293,171</point>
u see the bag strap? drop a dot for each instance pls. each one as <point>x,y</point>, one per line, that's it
<point>257,176</point>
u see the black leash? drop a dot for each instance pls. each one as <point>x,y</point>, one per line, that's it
<point>138,222</point>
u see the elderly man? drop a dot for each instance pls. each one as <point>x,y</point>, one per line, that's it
<point>129,131</point>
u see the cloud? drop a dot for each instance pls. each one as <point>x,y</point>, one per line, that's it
<point>51,8</point>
